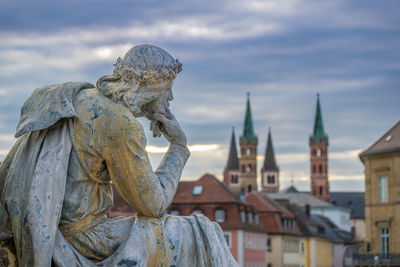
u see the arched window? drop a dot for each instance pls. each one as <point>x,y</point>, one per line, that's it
<point>319,152</point>
<point>313,152</point>
<point>314,169</point>
<point>248,151</point>
<point>320,168</point>
<point>249,188</point>
<point>243,168</point>
<point>321,189</point>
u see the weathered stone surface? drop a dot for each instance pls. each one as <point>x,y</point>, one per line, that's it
<point>7,254</point>
<point>74,141</point>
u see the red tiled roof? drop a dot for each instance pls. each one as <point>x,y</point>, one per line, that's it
<point>264,203</point>
<point>271,213</point>
<point>214,191</point>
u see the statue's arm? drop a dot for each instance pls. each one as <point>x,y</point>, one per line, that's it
<point>147,192</point>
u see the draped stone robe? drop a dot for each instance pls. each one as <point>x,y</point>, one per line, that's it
<point>55,187</point>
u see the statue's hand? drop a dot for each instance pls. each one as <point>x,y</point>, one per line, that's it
<point>169,127</point>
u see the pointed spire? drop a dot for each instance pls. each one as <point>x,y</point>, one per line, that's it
<point>269,160</point>
<point>248,129</point>
<point>233,161</point>
<point>319,133</point>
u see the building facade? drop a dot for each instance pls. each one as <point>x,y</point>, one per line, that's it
<point>245,236</point>
<point>382,196</point>
<point>284,243</point>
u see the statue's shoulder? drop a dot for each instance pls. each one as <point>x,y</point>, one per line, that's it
<point>98,111</point>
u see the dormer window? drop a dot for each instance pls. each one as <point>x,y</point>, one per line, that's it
<point>197,190</point>
<point>243,216</point>
<point>250,217</point>
<point>220,216</point>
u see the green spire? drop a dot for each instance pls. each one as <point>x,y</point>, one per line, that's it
<point>248,130</point>
<point>319,133</point>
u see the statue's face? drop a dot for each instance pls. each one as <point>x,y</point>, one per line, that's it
<point>157,98</point>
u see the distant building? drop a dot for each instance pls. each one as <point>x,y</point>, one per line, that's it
<point>338,215</point>
<point>319,158</point>
<point>231,172</point>
<point>382,196</point>
<point>248,154</point>
<point>285,239</point>
<point>270,171</point>
<point>245,236</point>
<point>354,201</point>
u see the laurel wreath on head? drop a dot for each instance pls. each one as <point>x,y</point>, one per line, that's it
<point>152,76</point>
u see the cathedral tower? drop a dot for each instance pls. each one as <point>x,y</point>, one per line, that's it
<point>270,171</point>
<point>231,171</point>
<point>248,154</point>
<point>319,158</point>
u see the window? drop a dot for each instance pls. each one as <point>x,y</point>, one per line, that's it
<point>249,168</point>
<point>249,188</point>
<point>321,190</point>
<point>257,220</point>
<point>384,240</point>
<point>175,212</point>
<point>234,179</point>
<point>301,247</point>
<point>220,215</point>
<point>291,246</point>
<point>288,224</point>
<point>197,190</point>
<point>249,151</point>
<point>320,168</point>
<point>271,179</point>
<point>228,237</point>
<point>383,189</point>
<point>319,152</point>
<point>243,168</point>
<point>313,169</point>
<point>269,248</point>
<point>243,216</point>
<point>250,217</point>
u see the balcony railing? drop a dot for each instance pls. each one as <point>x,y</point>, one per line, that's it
<point>376,259</point>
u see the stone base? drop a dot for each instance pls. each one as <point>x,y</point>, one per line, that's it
<point>7,254</point>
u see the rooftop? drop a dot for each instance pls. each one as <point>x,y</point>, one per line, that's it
<point>353,201</point>
<point>389,142</point>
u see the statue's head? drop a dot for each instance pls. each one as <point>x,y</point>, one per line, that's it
<point>142,80</point>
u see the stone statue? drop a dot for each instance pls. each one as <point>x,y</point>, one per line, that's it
<point>74,139</point>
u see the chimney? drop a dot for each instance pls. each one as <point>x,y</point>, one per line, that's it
<point>308,210</point>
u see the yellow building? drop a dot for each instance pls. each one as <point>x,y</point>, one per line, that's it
<point>382,194</point>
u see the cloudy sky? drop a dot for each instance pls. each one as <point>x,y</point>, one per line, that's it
<point>282,52</point>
